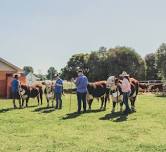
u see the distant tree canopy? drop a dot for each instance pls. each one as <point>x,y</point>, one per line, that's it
<point>27,69</point>
<point>100,64</point>
<point>103,63</point>
<point>151,67</point>
<point>161,60</point>
<point>125,59</point>
<point>51,72</point>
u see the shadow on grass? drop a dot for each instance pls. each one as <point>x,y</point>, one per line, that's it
<point>4,110</point>
<point>44,109</point>
<point>71,115</point>
<point>115,117</point>
<point>75,114</point>
<point>32,106</point>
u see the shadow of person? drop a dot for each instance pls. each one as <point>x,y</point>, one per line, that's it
<point>4,110</point>
<point>44,109</point>
<point>71,115</point>
<point>115,117</point>
<point>121,118</point>
<point>76,114</point>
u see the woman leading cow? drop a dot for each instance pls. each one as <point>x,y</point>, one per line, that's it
<point>122,90</point>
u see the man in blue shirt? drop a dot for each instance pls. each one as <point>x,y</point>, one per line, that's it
<point>15,85</point>
<point>58,91</point>
<point>81,84</point>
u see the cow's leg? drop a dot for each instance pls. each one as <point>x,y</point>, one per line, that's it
<point>132,100</point>
<point>121,106</point>
<point>41,98</point>
<point>48,103</point>
<point>20,105</point>
<point>22,102</point>
<point>113,106</point>
<point>27,102</point>
<point>90,103</point>
<point>52,102</point>
<point>105,102</point>
<point>102,102</point>
<point>38,100</point>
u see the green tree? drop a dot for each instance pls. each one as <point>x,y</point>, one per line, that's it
<point>75,62</point>
<point>27,69</point>
<point>125,59</point>
<point>97,66</point>
<point>151,67</point>
<point>51,72</point>
<point>161,60</point>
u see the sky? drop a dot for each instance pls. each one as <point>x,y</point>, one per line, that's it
<point>44,33</point>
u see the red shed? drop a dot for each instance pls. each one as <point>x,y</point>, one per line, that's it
<point>6,76</point>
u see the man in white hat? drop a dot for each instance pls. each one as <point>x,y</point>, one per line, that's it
<point>126,89</point>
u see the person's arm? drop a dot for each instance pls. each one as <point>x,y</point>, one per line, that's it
<point>77,81</point>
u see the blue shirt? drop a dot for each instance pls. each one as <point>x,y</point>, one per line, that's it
<point>15,85</point>
<point>58,86</point>
<point>81,84</point>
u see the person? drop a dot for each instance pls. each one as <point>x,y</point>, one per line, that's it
<point>15,85</point>
<point>58,89</point>
<point>81,85</point>
<point>126,89</point>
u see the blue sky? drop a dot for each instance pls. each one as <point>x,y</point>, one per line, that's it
<point>44,33</point>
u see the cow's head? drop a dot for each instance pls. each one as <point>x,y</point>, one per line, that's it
<point>112,82</point>
<point>23,90</point>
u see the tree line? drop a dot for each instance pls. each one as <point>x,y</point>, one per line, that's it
<point>100,64</point>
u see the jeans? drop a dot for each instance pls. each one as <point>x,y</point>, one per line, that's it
<point>125,101</point>
<point>81,97</point>
<point>58,97</point>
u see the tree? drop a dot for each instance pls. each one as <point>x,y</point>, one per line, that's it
<point>151,67</point>
<point>51,72</point>
<point>103,63</point>
<point>27,69</point>
<point>97,66</point>
<point>161,60</point>
<point>125,59</point>
<point>75,62</point>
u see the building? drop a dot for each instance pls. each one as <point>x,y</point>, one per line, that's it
<point>7,70</point>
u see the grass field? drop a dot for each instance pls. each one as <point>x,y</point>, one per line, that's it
<point>37,129</point>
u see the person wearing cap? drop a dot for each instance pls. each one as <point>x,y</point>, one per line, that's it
<point>126,89</point>
<point>81,84</point>
<point>15,85</point>
<point>58,89</point>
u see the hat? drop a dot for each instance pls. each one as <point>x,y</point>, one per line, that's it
<point>16,75</point>
<point>56,75</point>
<point>79,70</point>
<point>124,74</point>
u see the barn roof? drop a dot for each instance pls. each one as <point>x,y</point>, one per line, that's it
<point>10,65</point>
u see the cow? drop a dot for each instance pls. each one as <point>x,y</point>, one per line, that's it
<point>98,90</point>
<point>144,87</point>
<point>27,92</point>
<point>156,88</point>
<point>49,93</point>
<point>117,95</point>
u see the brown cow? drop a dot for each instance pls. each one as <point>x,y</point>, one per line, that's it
<point>98,90</point>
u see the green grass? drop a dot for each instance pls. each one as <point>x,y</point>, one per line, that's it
<point>37,129</point>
